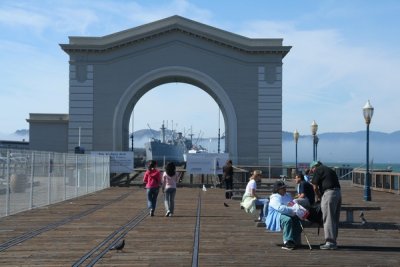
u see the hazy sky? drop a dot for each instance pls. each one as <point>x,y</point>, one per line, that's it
<point>344,53</point>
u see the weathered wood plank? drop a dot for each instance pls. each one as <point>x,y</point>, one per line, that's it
<point>227,234</point>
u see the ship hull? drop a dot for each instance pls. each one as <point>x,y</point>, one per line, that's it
<point>162,152</point>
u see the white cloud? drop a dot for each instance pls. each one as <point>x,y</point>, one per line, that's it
<point>326,77</point>
<point>20,17</point>
<point>329,79</point>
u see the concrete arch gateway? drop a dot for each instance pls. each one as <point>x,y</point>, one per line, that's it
<point>165,75</point>
<point>109,74</point>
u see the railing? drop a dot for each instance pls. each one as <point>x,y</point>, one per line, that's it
<point>380,181</point>
<point>31,179</point>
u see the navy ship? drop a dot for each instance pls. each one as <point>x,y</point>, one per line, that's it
<point>166,150</point>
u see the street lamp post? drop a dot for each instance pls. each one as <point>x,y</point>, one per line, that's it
<point>368,111</point>
<point>314,129</point>
<point>296,138</point>
<point>316,146</point>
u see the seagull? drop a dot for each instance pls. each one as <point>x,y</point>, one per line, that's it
<point>363,220</point>
<point>119,247</point>
<point>226,205</point>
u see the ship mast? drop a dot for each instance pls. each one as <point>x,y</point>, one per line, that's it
<point>163,132</point>
<point>219,138</point>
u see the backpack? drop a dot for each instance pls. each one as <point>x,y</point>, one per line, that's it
<point>316,214</point>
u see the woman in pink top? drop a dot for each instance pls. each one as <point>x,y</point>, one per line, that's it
<point>152,181</point>
<point>169,180</point>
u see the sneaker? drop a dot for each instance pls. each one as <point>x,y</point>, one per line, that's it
<point>170,214</point>
<point>328,245</point>
<point>167,214</point>
<point>258,219</point>
<point>151,213</point>
<point>289,245</point>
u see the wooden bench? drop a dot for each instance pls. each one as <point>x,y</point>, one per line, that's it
<point>350,210</point>
<point>349,214</point>
<point>237,194</point>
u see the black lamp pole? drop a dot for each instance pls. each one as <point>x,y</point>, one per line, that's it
<point>296,139</point>
<point>314,129</point>
<point>368,111</point>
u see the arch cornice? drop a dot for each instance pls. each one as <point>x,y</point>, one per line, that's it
<point>188,74</point>
<point>175,24</point>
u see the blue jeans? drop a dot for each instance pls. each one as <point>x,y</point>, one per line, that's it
<point>264,210</point>
<point>169,199</point>
<point>152,194</point>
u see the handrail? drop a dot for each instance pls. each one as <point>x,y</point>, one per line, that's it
<point>380,180</point>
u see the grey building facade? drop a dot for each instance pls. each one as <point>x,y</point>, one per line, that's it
<point>108,75</point>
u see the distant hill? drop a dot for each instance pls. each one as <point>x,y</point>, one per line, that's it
<point>19,135</point>
<point>332,147</point>
<point>344,147</point>
<point>286,136</point>
<point>22,132</point>
<point>355,136</point>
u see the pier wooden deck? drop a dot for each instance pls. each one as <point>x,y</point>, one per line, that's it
<point>213,235</point>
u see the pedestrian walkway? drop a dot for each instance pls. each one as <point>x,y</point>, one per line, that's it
<point>203,232</point>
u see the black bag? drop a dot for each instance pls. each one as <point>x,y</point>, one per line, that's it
<point>316,214</point>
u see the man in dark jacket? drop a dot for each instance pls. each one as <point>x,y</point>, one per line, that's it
<point>327,188</point>
<point>228,178</point>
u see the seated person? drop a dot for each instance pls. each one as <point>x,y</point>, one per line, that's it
<point>307,175</point>
<point>250,194</point>
<point>283,217</point>
<point>305,192</point>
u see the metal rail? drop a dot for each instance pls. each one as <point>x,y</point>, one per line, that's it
<point>195,255</point>
<point>28,235</point>
<point>101,249</point>
<point>95,254</point>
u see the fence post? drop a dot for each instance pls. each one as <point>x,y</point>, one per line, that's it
<point>94,173</point>
<point>32,180</point>
<point>269,167</point>
<point>49,180</point>
<point>86,174</point>
<point>8,185</point>
<point>77,175</point>
<point>65,176</point>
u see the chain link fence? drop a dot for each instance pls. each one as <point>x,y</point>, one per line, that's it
<point>31,179</point>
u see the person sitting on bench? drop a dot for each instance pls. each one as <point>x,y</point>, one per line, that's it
<point>250,194</point>
<point>305,192</point>
<point>282,216</point>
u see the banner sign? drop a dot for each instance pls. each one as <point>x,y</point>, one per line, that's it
<point>206,163</point>
<point>120,161</point>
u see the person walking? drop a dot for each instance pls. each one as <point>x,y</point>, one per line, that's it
<point>327,188</point>
<point>169,180</point>
<point>228,178</point>
<point>152,181</point>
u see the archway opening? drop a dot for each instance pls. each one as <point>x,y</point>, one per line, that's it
<point>182,109</point>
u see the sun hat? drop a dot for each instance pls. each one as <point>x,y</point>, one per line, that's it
<point>279,185</point>
<point>314,163</point>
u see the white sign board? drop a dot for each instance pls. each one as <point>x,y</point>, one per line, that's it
<point>205,163</point>
<point>120,161</point>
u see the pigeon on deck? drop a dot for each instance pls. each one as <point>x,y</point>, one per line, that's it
<point>119,246</point>
<point>363,220</point>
